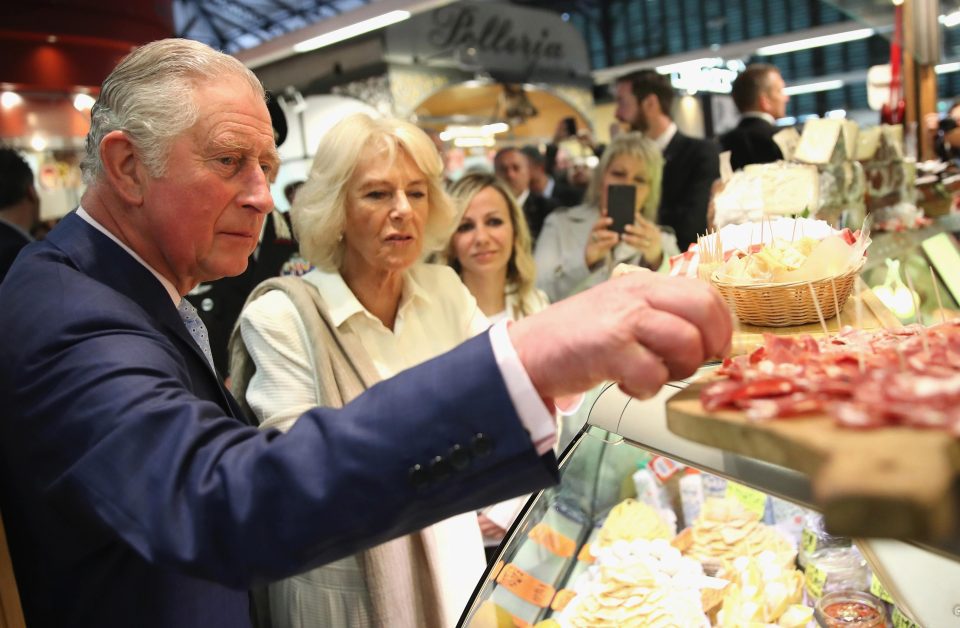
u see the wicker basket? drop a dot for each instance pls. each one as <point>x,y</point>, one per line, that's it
<point>785,304</point>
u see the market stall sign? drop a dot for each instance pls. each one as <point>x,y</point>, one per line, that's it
<point>490,37</point>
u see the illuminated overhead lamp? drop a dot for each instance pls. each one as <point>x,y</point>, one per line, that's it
<point>947,68</point>
<point>950,20</point>
<point>473,142</point>
<point>83,102</point>
<point>836,113</point>
<point>821,86</point>
<point>359,28</point>
<point>10,99</point>
<point>815,42</point>
<point>494,128</point>
<point>38,142</point>
<point>687,66</point>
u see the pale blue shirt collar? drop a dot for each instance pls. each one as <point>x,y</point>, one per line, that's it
<point>166,283</point>
<point>548,188</point>
<point>343,304</point>
<point>18,229</point>
<point>664,140</point>
<point>763,115</point>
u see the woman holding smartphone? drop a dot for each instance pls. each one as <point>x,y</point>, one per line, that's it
<point>579,245</point>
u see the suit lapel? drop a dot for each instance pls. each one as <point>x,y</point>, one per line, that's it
<point>103,260</point>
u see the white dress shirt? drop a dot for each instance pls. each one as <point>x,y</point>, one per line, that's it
<point>664,139</point>
<point>435,314</point>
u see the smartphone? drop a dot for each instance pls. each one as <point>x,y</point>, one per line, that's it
<point>571,126</point>
<point>621,205</point>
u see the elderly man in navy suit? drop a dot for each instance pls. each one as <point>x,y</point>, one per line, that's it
<point>644,101</point>
<point>758,92</point>
<point>132,491</point>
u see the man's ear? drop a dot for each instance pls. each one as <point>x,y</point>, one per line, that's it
<point>650,104</point>
<point>122,167</point>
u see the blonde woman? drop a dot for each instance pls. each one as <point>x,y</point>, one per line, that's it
<point>491,249</point>
<point>576,248</point>
<point>372,206</point>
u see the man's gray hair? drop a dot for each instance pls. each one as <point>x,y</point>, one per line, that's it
<point>149,96</point>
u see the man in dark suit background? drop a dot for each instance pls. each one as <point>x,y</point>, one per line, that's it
<point>19,207</point>
<point>513,166</point>
<point>544,184</point>
<point>132,492</point>
<point>758,94</point>
<point>644,101</point>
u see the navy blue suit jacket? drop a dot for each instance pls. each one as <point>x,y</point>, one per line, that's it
<point>11,243</point>
<point>690,167</point>
<point>751,142</point>
<point>133,494</point>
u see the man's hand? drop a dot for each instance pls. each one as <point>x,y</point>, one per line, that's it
<point>640,330</point>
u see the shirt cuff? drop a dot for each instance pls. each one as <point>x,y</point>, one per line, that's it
<point>536,419</point>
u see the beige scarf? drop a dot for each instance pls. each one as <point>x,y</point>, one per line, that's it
<point>399,574</point>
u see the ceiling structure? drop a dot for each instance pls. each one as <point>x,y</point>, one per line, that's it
<point>234,25</point>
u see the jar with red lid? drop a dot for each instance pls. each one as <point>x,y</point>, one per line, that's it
<point>858,609</point>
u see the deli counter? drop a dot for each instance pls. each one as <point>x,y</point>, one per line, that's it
<point>648,528</point>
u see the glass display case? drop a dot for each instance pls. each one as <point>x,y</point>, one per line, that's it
<point>555,551</point>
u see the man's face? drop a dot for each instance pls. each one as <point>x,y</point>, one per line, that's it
<point>628,108</point>
<point>776,99</point>
<point>204,215</point>
<point>514,168</point>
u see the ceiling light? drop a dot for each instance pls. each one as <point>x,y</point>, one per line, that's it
<point>359,28</point>
<point>10,99</point>
<point>83,102</point>
<point>687,66</point>
<point>808,88</point>
<point>473,142</point>
<point>496,127</point>
<point>815,42</point>
<point>946,68</point>
<point>38,142</point>
<point>950,20</point>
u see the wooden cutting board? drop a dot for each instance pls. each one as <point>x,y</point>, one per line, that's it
<point>873,315</point>
<point>889,482</point>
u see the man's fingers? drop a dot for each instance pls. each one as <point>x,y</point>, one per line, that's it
<point>694,301</point>
<point>641,372</point>
<point>676,341</point>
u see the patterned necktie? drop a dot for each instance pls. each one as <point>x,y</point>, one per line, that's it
<point>198,331</point>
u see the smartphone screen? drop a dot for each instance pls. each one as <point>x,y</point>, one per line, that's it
<point>571,123</point>
<point>621,204</point>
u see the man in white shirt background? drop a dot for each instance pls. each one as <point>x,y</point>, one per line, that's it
<point>644,102</point>
<point>513,166</point>
<point>758,94</point>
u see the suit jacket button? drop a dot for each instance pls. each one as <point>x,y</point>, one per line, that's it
<point>459,457</point>
<point>419,477</point>
<point>440,469</point>
<point>482,445</point>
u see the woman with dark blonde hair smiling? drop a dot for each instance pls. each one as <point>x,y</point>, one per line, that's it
<point>491,249</point>
<point>372,207</point>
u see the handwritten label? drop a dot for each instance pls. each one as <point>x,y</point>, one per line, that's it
<point>877,589</point>
<point>808,542</point>
<point>525,586</point>
<point>584,556</point>
<point>664,468</point>
<point>753,500</point>
<point>900,620</point>
<point>816,578</point>
<point>559,544</point>
<point>561,600</point>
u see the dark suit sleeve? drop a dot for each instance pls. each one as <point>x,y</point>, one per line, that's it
<point>688,208</point>
<point>102,426</point>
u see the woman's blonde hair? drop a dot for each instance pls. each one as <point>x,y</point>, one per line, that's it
<point>320,207</point>
<point>636,145</point>
<point>521,269</point>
